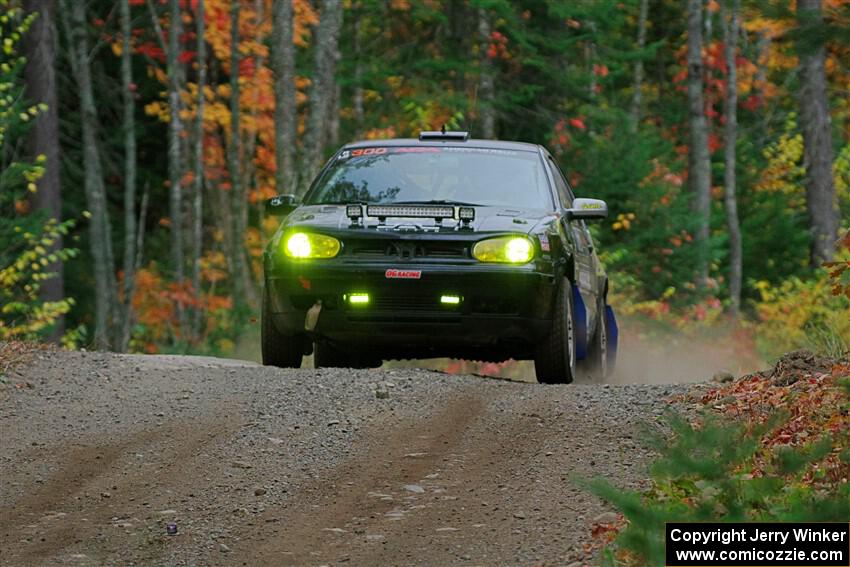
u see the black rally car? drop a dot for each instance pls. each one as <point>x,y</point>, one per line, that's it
<point>438,247</point>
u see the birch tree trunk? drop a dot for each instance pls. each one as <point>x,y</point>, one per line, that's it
<point>817,137</point>
<point>284,92</point>
<point>198,189</point>
<point>730,111</point>
<point>637,94</point>
<point>40,75</point>
<point>100,233</point>
<point>333,118</point>
<point>699,173</point>
<point>129,127</point>
<point>175,130</point>
<point>238,264</point>
<point>322,89</point>
<point>486,92</point>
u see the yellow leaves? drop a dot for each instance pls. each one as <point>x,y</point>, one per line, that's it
<point>623,222</point>
<point>159,109</point>
<point>755,22</point>
<point>792,311</point>
<point>305,16</point>
<point>784,172</point>
<point>841,173</point>
<point>158,74</point>
<point>395,82</point>
<point>22,316</point>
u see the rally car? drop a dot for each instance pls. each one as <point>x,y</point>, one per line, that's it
<point>441,246</point>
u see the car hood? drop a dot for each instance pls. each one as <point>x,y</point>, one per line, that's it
<point>487,219</point>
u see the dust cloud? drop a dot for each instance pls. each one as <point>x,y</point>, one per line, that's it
<point>642,360</point>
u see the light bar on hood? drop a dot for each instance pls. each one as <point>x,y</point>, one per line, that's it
<point>353,211</point>
<point>413,211</point>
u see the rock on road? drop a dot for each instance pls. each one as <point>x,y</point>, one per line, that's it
<point>262,466</point>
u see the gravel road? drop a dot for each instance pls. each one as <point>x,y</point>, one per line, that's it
<point>261,466</point>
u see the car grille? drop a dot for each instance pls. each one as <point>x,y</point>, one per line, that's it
<point>408,304</point>
<point>404,309</point>
<point>400,249</point>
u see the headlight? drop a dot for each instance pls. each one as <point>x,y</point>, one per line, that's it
<point>504,249</point>
<point>310,245</point>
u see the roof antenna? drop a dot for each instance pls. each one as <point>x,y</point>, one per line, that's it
<point>443,129</point>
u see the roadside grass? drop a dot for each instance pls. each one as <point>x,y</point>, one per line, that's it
<point>772,446</point>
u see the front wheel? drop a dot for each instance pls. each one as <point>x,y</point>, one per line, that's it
<point>555,359</point>
<point>283,351</point>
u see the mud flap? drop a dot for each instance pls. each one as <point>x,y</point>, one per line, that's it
<point>580,324</point>
<point>613,336</point>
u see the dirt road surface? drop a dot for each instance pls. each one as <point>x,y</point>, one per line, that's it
<point>261,466</point>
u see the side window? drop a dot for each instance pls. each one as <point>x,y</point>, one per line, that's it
<point>564,192</point>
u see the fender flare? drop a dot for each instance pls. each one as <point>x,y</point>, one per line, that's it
<point>579,323</point>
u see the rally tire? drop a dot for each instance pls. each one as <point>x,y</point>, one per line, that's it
<point>555,358</point>
<point>597,353</point>
<point>283,351</point>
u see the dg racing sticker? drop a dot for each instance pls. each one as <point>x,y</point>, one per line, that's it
<point>395,274</point>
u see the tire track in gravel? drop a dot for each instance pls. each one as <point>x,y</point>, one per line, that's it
<point>260,466</point>
<point>355,493</point>
<point>461,487</point>
<point>95,480</point>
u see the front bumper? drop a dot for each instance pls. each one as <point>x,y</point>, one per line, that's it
<point>504,311</point>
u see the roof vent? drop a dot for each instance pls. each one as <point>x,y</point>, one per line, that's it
<point>443,136</point>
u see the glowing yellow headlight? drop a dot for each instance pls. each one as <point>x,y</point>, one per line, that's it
<point>310,245</point>
<point>504,249</point>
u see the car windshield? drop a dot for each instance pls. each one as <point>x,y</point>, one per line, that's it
<point>420,174</point>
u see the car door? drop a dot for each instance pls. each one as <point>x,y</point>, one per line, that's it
<point>585,260</point>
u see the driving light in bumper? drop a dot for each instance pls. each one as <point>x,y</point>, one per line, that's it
<point>310,245</point>
<point>504,249</point>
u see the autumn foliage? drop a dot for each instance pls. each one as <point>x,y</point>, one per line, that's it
<point>772,446</point>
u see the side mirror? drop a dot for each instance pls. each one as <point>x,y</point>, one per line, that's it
<point>588,209</point>
<point>281,205</point>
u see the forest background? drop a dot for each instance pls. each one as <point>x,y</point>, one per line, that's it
<point>140,139</point>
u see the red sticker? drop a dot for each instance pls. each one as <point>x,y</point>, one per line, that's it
<point>368,152</point>
<point>403,274</point>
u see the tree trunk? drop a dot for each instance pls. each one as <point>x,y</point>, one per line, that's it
<point>357,96</point>
<point>40,75</point>
<point>333,119</point>
<point>175,130</point>
<point>237,263</point>
<point>198,189</point>
<point>637,93</point>
<point>817,137</point>
<point>762,64</point>
<point>285,113</point>
<point>486,93</point>
<point>699,173</point>
<point>249,178</point>
<point>129,127</point>
<point>730,40</point>
<point>590,58</point>
<point>322,89</point>
<point>100,238</point>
